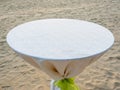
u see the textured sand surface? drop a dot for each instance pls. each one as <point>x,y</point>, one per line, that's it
<point>16,74</point>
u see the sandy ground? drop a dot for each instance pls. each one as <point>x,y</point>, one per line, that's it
<point>16,74</point>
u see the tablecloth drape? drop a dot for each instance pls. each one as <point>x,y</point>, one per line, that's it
<point>60,69</point>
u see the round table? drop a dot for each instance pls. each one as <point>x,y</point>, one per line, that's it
<point>60,47</point>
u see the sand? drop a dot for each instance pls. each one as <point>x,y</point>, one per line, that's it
<point>16,74</point>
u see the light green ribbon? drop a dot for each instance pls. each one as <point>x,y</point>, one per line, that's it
<point>66,84</point>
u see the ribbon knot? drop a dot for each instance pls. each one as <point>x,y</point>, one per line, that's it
<point>66,84</point>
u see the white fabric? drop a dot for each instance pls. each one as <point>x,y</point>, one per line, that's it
<point>61,69</point>
<point>60,39</point>
<point>52,45</point>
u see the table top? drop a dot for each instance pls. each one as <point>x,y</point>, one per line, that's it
<point>60,39</point>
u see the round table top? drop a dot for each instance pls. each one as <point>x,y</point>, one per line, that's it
<point>60,39</point>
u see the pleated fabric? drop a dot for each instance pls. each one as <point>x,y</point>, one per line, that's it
<point>60,69</point>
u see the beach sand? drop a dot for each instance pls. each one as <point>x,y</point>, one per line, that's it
<point>16,74</point>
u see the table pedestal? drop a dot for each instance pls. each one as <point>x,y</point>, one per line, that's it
<point>52,87</point>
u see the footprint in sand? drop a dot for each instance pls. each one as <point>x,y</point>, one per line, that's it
<point>7,88</point>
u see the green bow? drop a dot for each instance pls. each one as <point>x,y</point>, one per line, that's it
<point>66,84</point>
